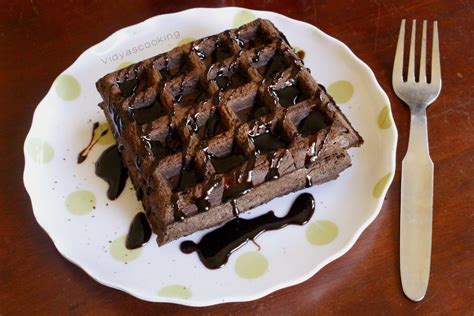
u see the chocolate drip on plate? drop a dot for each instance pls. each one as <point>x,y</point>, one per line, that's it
<point>110,168</point>
<point>216,246</point>
<point>85,152</point>
<point>139,232</point>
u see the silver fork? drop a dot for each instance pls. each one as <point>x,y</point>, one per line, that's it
<point>417,167</point>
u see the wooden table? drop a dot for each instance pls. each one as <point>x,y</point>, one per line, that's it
<point>39,40</point>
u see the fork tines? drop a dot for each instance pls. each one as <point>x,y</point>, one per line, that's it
<point>435,60</point>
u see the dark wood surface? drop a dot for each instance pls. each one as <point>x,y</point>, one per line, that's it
<point>39,40</point>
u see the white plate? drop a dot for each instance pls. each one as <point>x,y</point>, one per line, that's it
<point>88,229</point>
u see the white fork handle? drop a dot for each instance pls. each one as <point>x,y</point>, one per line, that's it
<point>416,210</point>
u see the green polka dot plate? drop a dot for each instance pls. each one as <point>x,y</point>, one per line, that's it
<point>70,202</point>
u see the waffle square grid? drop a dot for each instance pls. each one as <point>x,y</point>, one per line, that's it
<point>222,125</point>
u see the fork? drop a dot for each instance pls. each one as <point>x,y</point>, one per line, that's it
<point>416,213</point>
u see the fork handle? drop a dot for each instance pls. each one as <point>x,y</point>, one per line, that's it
<point>416,209</point>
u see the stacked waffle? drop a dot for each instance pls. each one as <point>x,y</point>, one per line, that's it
<point>221,125</point>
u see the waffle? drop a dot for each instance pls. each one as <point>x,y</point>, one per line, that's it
<point>221,125</point>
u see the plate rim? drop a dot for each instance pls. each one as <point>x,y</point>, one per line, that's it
<point>162,299</point>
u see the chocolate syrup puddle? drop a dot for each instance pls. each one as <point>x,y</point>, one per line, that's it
<point>222,81</point>
<point>267,142</point>
<point>288,96</point>
<point>139,232</point>
<point>276,64</point>
<point>110,168</point>
<point>221,52</point>
<point>188,177</point>
<point>216,246</point>
<point>314,122</point>
<point>160,149</point>
<point>85,152</point>
<point>127,88</point>
<point>148,113</point>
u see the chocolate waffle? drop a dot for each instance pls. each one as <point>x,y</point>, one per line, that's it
<point>221,125</point>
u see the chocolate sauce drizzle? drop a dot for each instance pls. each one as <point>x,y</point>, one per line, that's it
<point>256,58</point>
<point>314,122</point>
<point>240,42</point>
<point>233,77</point>
<point>148,113</point>
<point>116,120</point>
<point>288,96</point>
<point>160,149</point>
<point>199,52</point>
<point>110,168</point>
<point>191,121</point>
<point>309,181</point>
<point>139,232</point>
<point>221,52</point>
<point>274,160</point>
<point>276,64</point>
<point>165,72</point>
<point>128,87</point>
<point>203,204</point>
<point>168,73</point>
<point>311,155</point>
<point>85,152</point>
<point>267,142</point>
<point>216,246</point>
<point>222,81</point>
<point>188,177</point>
